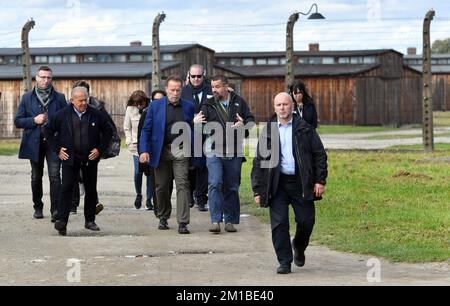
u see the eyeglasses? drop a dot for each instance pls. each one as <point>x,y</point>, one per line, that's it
<point>197,76</point>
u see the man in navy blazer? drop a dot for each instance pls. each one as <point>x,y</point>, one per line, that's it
<point>35,109</point>
<point>166,140</point>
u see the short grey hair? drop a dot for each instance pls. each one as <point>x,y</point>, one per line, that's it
<point>80,89</point>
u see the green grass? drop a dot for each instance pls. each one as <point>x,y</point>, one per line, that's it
<point>384,204</point>
<point>9,147</point>
<point>441,118</point>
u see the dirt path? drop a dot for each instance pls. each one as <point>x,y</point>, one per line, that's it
<point>131,251</point>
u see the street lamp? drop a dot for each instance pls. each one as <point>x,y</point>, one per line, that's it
<point>289,79</point>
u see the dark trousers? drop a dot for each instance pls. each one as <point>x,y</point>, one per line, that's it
<point>289,193</point>
<point>198,179</point>
<point>37,172</point>
<point>76,193</point>
<point>70,174</point>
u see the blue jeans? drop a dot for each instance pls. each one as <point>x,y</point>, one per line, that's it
<point>138,180</point>
<point>224,179</point>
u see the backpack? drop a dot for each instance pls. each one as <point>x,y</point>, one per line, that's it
<point>113,149</point>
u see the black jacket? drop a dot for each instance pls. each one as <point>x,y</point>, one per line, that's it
<point>309,114</point>
<point>310,158</point>
<point>60,134</point>
<point>237,106</point>
<point>187,94</point>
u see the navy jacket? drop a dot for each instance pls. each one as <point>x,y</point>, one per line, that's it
<point>60,132</point>
<point>29,108</point>
<point>152,136</point>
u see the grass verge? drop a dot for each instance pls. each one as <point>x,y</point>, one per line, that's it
<point>389,205</point>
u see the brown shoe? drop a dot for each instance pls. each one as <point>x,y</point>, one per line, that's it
<point>215,228</point>
<point>99,208</point>
<point>230,228</point>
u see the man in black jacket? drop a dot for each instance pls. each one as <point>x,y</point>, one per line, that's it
<point>198,90</point>
<point>290,169</point>
<point>229,116</point>
<point>79,134</point>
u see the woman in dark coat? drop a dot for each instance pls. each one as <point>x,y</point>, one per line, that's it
<point>304,103</point>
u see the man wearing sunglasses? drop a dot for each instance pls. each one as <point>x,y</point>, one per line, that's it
<point>35,109</point>
<point>197,91</point>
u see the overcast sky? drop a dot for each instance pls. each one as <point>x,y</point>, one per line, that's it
<point>225,25</point>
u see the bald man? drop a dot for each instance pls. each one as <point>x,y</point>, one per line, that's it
<point>79,134</point>
<point>294,173</point>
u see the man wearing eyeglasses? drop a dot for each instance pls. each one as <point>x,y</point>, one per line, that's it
<point>197,91</point>
<point>35,109</point>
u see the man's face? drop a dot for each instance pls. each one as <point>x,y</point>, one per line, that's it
<point>196,76</point>
<point>173,90</point>
<point>220,90</point>
<point>283,107</point>
<point>80,101</point>
<point>44,79</point>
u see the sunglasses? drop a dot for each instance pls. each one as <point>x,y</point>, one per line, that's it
<point>197,76</point>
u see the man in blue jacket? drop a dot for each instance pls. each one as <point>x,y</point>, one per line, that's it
<point>35,109</point>
<point>168,121</point>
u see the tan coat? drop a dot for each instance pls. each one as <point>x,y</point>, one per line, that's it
<point>130,125</point>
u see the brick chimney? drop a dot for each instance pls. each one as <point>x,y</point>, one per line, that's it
<point>136,43</point>
<point>314,47</point>
<point>412,51</point>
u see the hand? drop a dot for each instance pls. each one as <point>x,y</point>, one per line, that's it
<point>240,122</point>
<point>319,190</point>
<point>39,120</point>
<point>63,154</point>
<point>200,118</point>
<point>95,154</point>
<point>144,158</point>
<point>258,200</point>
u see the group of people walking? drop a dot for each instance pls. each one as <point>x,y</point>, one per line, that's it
<point>161,133</point>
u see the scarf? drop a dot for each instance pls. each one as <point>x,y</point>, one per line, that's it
<point>44,95</point>
<point>196,91</point>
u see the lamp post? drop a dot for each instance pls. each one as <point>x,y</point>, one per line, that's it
<point>289,79</point>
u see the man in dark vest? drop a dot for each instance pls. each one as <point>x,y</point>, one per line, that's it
<point>78,134</point>
<point>35,109</point>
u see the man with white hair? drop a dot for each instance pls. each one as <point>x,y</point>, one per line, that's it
<point>290,169</point>
<point>79,134</point>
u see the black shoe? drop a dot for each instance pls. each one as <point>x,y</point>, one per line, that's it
<point>92,226</point>
<point>149,205</point>
<point>299,257</point>
<point>183,230</point>
<point>284,269</point>
<point>202,208</point>
<point>74,211</point>
<point>163,225</point>
<point>54,217</point>
<point>61,227</point>
<point>38,214</point>
<point>138,202</point>
<point>192,204</point>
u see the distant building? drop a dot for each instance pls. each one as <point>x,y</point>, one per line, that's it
<point>365,87</point>
<point>440,68</point>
